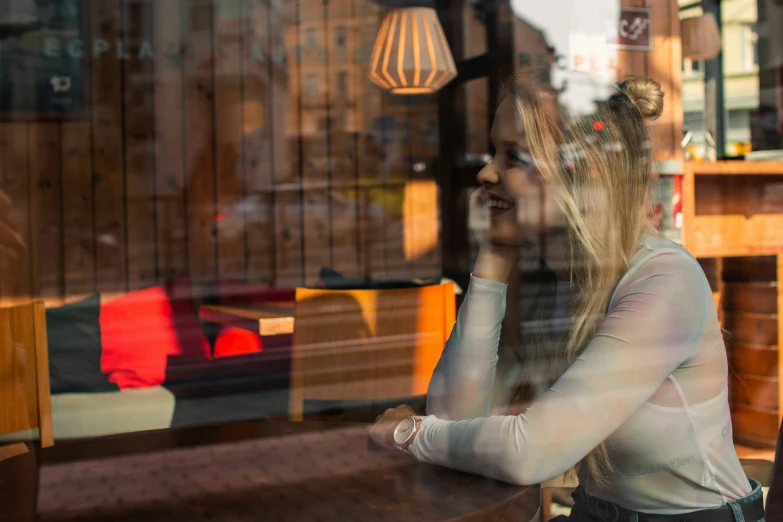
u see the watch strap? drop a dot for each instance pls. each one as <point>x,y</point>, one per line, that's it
<point>417,425</point>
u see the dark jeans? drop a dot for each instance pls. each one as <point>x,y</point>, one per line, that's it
<point>591,509</point>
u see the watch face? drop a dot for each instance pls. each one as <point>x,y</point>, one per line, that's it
<point>403,430</point>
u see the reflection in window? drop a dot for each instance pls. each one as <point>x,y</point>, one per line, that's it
<point>340,36</point>
<point>312,85</point>
<point>751,47</point>
<point>342,85</point>
<point>310,37</point>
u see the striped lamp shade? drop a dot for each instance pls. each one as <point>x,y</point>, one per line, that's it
<point>411,54</point>
<point>700,37</point>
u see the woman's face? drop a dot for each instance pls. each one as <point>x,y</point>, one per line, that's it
<point>521,205</point>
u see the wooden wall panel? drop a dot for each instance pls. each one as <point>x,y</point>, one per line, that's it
<point>214,163</point>
<point>200,140</point>
<point>139,145</point>
<point>47,200</point>
<point>229,113</point>
<point>79,239</point>
<point>107,148</point>
<point>169,139</point>
<point>14,182</point>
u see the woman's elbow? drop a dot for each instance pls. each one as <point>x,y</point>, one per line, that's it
<point>522,476</point>
<point>527,470</point>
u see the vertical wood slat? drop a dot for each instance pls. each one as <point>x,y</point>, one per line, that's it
<point>780,335</point>
<point>43,385</point>
<point>47,200</point>
<point>169,139</point>
<point>340,99</point>
<point>14,182</point>
<point>229,114</point>
<point>277,125</point>
<point>254,53</point>
<point>288,213</point>
<point>107,150</point>
<point>139,144</point>
<point>79,238</point>
<point>370,160</point>
<point>315,171</point>
<point>199,140</point>
<point>263,77</point>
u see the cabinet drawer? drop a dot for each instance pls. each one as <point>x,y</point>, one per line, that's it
<point>758,424</point>
<point>754,360</point>
<point>761,268</point>
<point>757,297</point>
<point>751,328</point>
<point>755,391</point>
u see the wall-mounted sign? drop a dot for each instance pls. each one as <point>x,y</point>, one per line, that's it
<point>35,84</point>
<point>634,29</point>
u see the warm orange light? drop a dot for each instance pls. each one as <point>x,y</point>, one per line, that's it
<point>411,54</point>
<point>413,90</point>
<point>420,218</point>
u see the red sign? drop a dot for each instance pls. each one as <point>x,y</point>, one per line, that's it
<point>634,29</point>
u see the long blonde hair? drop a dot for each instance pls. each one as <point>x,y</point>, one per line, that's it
<point>600,167</point>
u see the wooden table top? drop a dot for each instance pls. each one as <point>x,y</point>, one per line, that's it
<point>266,319</point>
<point>297,472</point>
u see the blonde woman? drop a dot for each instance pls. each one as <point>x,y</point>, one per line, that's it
<point>639,406</point>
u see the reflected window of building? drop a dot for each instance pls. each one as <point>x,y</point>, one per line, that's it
<point>751,47</point>
<point>340,36</point>
<point>342,84</point>
<point>744,80</point>
<point>310,36</point>
<point>312,85</point>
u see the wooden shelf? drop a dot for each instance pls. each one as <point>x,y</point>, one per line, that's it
<point>729,211</point>
<point>737,168</point>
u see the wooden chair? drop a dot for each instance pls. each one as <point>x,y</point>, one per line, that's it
<point>367,345</point>
<point>25,404</point>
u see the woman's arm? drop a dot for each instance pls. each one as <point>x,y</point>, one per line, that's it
<point>463,384</point>
<point>653,327</point>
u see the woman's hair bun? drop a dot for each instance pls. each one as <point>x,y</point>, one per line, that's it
<point>645,94</point>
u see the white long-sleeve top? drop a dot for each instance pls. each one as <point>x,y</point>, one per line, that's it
<point>652,383</point>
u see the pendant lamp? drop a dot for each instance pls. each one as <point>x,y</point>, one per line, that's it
<point>411,54</point>
<point>700,37</point>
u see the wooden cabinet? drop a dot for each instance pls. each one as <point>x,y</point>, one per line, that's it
<point>752,321</point>
<point>733,222</point>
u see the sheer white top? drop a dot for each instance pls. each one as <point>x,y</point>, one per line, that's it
<point>652,383</point>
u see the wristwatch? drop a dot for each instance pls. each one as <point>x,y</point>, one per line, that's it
<point>406,431</point>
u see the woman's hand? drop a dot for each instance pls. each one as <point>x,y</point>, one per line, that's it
<point>12,248</point>
<point>382,432</point>
<point>496,261</point>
